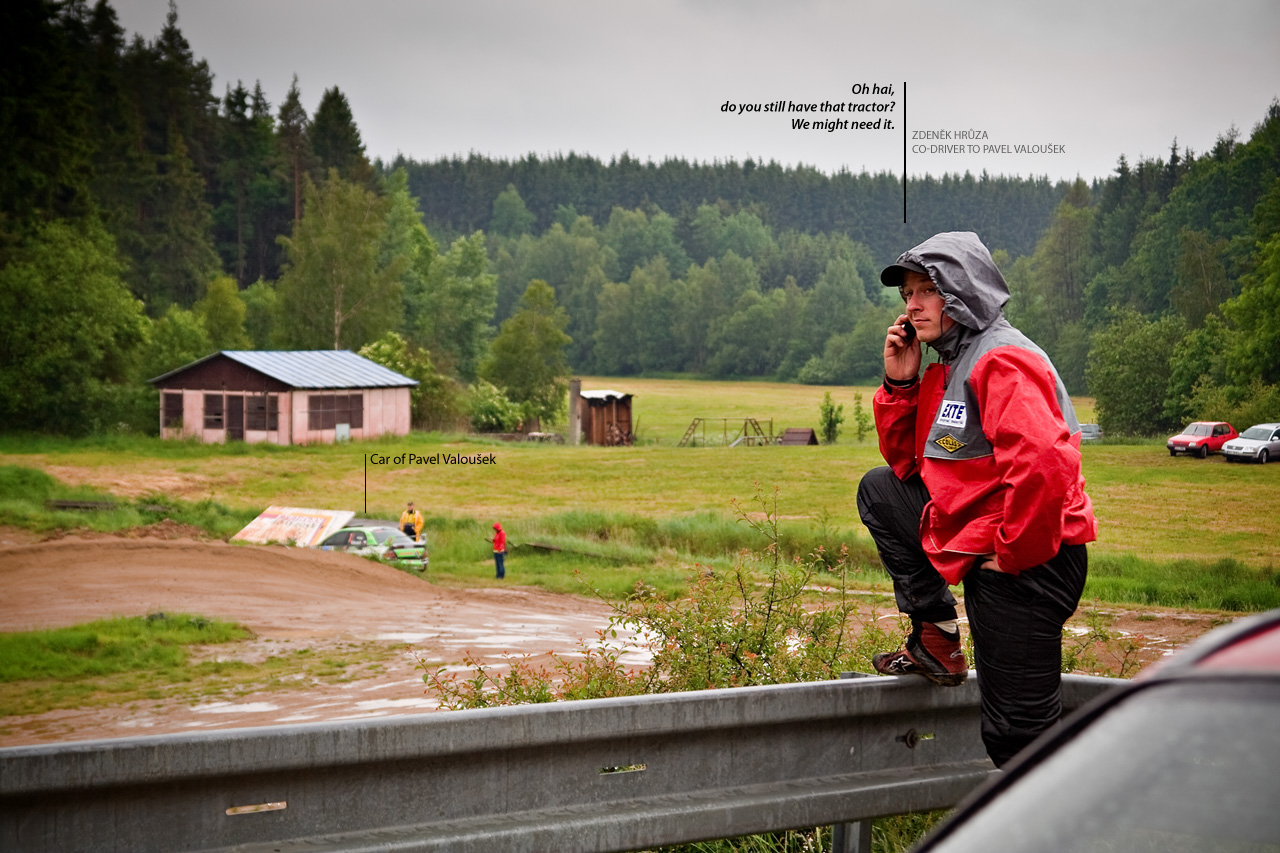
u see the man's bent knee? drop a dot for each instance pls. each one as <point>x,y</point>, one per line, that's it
<point>872,488</point>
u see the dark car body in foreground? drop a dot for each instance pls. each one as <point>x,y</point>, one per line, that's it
<point>1184,758</point>
<point>1201,438</point>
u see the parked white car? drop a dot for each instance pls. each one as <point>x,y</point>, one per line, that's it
<point>1259,443</point>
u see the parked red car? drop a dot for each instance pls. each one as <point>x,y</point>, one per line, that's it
<point>1201,438</point>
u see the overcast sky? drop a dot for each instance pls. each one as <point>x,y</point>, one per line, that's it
<point>508,77</point>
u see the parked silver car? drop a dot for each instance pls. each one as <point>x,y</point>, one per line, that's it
<point>1259,442</point>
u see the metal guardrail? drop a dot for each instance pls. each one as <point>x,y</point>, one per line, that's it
<point>599,775</point>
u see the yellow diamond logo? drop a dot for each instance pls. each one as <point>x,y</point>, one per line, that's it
<point>949,443</point>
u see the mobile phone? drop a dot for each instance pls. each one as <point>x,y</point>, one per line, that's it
<point>908,332</point>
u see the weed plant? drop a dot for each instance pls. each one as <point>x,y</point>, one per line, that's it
<point>1098,650</point>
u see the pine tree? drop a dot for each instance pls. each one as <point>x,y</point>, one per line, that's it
<point>335,139</point>
<point>292,136</point>
<point>177,255</point>
<point>45,136</point>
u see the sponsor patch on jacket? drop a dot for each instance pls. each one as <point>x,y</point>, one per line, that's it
<point>952,414</point>
<point>949,442</point>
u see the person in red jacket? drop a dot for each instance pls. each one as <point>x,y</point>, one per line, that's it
<point>983,488</point>
<point>499,550</point>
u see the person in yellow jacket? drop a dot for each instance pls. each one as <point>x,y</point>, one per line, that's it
<point>411,522</point>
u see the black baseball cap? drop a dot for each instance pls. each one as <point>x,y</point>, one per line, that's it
<point>892,275</point>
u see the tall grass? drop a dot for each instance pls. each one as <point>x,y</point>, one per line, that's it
<point>109,646</point>
<point>24,493</point>
<point>704,534</point>
<point>610,552</point>
<point>1224,584</point>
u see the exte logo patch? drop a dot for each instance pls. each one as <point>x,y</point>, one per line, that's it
<point>952,414</point>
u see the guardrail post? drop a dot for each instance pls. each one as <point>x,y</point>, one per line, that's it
<point>851,837</point>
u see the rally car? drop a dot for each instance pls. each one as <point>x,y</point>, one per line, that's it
<point>386,543</point>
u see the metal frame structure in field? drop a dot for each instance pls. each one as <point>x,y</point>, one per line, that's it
<point>598,775</point>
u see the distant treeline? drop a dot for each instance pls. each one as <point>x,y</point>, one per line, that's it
<point>456,196</point>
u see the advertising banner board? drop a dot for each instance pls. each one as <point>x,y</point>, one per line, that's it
<point>294,525</point>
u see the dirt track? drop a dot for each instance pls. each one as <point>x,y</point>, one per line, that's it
<point>295,599</point>
<point>291,599</point>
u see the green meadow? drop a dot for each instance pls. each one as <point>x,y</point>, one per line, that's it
<point>1176,532</point>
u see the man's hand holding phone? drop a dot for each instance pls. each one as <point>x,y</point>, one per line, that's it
<point>901,351</point>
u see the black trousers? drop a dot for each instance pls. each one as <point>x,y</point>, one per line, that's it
<point>1015,620</point>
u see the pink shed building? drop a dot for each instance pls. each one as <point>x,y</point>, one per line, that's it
<point>300,397</point>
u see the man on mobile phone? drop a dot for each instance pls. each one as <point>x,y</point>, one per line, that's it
<point>983,487</point>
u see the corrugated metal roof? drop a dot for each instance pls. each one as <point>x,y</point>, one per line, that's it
<point>320,368</point>
<point>604,395</point>
<point>312,368</point>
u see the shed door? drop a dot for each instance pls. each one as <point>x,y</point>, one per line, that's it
<point>235,417</point>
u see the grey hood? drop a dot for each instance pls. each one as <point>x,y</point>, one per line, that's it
<point>964,272</point>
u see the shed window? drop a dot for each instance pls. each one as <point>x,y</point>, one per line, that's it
<point>327,411</point>
<point>213,411</point>
<point>172,410</point>
<point>320,411</point>
<point>261,412</point>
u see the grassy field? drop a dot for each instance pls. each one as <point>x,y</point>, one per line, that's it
<point>1164,521</point>
<point>664,408</point>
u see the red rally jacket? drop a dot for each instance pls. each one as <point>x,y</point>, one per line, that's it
<point>1023,499</point>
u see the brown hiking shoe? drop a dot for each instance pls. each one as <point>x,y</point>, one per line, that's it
<point>928,651</point>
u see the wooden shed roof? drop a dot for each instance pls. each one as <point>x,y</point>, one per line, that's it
<point>605,395</point>
<point>799,436</point>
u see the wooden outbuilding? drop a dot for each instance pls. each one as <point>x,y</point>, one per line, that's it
<point>298,397</point>
<point>604,417</point>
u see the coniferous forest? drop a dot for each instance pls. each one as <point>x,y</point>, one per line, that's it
<point>150,216</point>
